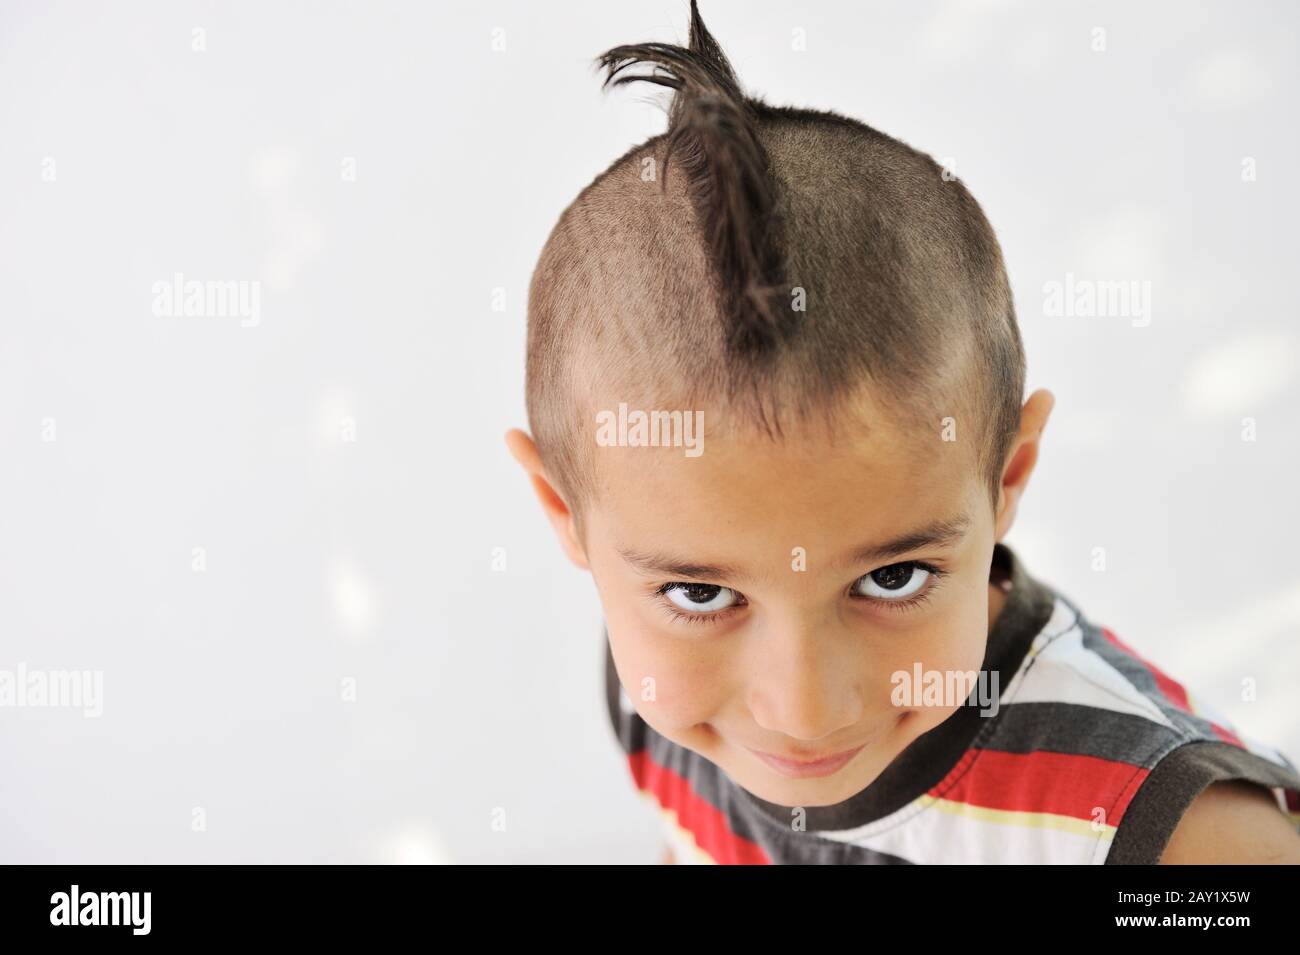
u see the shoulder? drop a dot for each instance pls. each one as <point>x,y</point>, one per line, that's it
<point>1233,822</point>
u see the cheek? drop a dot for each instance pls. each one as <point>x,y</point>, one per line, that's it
<point>955,642</point>
<point>960,645</point>
<point>672,685</point>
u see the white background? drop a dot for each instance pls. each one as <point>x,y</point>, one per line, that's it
<point>372,559</point>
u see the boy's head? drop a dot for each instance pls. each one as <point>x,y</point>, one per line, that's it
<point>834,310</point>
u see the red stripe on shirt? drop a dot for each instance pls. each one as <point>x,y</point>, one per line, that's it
<point>1174,691</point>
<point>696,815</point>
<point>1059,783</point>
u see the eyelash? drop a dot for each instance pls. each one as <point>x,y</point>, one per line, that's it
<point>894,606</point>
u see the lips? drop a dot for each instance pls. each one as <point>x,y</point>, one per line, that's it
<point>802,768</point>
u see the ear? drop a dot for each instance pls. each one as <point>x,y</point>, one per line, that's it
<point>1022,458</point>
<point>524,450</point>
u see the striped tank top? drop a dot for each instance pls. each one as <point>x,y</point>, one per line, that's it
<point>1093,756</point>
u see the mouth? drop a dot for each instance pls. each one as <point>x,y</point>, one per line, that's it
<point>803,768</point>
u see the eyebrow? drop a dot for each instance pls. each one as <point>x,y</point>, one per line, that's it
<point>939,533</point>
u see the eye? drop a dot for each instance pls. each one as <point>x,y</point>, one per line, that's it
<point>699,598</point>
<point>897,583</point>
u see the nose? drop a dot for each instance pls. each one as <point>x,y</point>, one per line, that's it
<point>804,683</point>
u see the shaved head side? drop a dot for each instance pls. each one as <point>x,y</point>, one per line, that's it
<point>774,262</point>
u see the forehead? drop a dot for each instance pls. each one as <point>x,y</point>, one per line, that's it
<point>747,499</point>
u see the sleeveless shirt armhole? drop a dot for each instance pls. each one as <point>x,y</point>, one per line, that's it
<point>1177,779</point>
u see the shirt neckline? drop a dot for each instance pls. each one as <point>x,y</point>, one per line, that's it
<point>1025,612</point>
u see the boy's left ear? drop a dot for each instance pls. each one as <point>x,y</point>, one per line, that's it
<point>524,450</point>
<point>1023,457</point>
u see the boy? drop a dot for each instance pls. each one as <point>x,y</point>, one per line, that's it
<point>775,384</point>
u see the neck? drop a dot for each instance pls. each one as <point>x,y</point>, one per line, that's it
<point>997,597</point>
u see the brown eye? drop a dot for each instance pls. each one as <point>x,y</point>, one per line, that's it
<point>699,598</point>
<point>895,582</point>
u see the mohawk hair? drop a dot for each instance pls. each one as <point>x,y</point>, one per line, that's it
<point>713,127</point>
<point>686,292</point>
